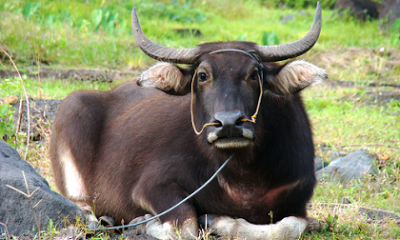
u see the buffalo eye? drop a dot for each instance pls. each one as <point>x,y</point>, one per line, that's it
<point>254,75</point>
<point>202,77</point>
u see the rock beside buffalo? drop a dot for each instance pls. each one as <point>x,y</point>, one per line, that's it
<point>352,166</point>
<point>27,203</point>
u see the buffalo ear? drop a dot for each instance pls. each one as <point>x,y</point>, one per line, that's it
<point>167,77</point>
<point>294,77</point>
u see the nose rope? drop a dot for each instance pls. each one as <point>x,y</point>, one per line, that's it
<point>260,80</point>
<point>191,110</point>
<point>254,116</point>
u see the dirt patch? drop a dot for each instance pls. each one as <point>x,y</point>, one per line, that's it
<point>42,114</point>
<point>374,92</point>
<point>75,74</point>
<point>379,65</point>
<point>341,83</point>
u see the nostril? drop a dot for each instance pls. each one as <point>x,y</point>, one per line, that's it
<point>218,124</point>
<point>239,122</point>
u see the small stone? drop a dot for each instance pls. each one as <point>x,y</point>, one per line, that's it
<point>287,18</point>
<point>345,201</point>
<point>352,166</point>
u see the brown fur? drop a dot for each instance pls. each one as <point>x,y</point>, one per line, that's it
<point>138,154</point>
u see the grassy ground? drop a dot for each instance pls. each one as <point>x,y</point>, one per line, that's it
<point>363,114</point>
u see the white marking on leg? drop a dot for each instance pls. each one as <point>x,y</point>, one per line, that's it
<point>167,230</point>
<point>287,228</point>
<point>160,230</point>
<point>73,181</point>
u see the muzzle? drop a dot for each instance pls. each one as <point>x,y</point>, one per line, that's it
<point>239,119</point>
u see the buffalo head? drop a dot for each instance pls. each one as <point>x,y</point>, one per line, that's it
<point>227,80</point>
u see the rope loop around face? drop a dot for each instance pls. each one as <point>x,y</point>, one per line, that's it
<point>191,109</point>
<point>260,81</point>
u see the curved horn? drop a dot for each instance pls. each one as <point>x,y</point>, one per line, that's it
<point>158,52</point>
<point>297,48</point>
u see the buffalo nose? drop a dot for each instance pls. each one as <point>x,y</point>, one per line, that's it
<point>229,119</point>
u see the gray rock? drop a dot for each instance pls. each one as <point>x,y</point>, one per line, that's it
<point>319,164</point>
<point>26,201</point>
<point>352,166</point>
<point>335,155</point>
<point>287,18</point>
<point>290,17</point>
<point>345,201</point>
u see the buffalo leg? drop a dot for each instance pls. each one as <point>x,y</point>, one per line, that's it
<point>167,230</point>
<point>288,228</point>
<point>179,223</point>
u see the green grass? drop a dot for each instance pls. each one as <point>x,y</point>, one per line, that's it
<point>342,114</point>
<point>347,119</point>
<point>49,88</point>
<point>98,33</point>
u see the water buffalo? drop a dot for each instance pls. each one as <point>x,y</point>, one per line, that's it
<point>137,150</point>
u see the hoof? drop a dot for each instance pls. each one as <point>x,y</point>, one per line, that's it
<point>92,226</point>
<point>142,227</point>
<point>314,225</point>
<point>206,220</point>
<point>106,221</point>
<point>92,223</point>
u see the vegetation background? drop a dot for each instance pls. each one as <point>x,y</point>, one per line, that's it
<point>358,107</point>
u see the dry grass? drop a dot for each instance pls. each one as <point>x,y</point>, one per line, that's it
<point>353,221</point>
<point>361,65</point>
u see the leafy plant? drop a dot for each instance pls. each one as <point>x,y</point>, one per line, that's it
<point>395,32</point>
<point>7,127</point>
<point>300,4</point>
<point>175,11</point>
<point>396,25</point>
<point>331,222</point>
<point>51,229</point>
<point>29,9</point>
<point>270,38</point>
<point>106,19</point>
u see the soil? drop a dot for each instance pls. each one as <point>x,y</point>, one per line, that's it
<point>42,114</point>
<point>75,74</point>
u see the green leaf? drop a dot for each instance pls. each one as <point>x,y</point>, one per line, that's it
<point>396,25</point>
<point>270,38</point>
<point>27,10</point>
<point>97,15</point>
